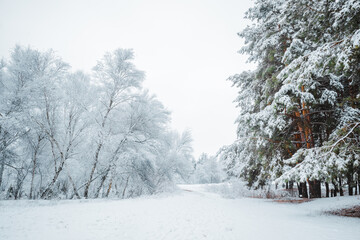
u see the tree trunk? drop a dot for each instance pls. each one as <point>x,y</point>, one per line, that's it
<point>87,186</point>
<point>111,164</point>
<point>314,189</point>
<point>126,184</point>
<point>2,167</point>
<point>350,187</point>
<point>299,189</point>
<point>100,145</point>
<point>336,190</point>
<point>327,189</point>
<point>19,182</point>
<point>32,176</point>
<point>37,147</point>
<point>103,178</point>
<point>303,190</point>
<point>340,187</point>
<point>109,188</point>
<point>57,173</point>
<point>350,178</point>
<point>74,187</point>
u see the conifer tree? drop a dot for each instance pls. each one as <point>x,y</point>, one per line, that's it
<point>299,110</point>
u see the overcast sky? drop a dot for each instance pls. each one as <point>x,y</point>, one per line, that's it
<point>188,48</point>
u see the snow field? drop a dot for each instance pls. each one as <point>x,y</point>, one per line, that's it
<point>191,213</point>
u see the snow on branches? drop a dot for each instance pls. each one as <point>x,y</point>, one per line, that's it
<point>299,110</point>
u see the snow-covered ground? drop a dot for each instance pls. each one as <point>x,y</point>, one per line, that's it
<point>191,213</point>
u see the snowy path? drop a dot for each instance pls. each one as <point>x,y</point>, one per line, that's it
<point>189,214</point>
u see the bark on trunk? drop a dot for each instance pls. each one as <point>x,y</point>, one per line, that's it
<point>74,187</point>
<point>57,173</point>
<point>126,184</point>
<point>32,176</point>
<point>112,160</point>
<point>291,184</point>
<point>87,186</point>
<point>299,189</point>
<point>100,145</point>
<point>19,183</point>
<point>34,161</point>
<point>340,187</point>
<point>2,166</point>
<point>103,178</point>
<point>327,189</point>
<point>109,188</point>
<point>315,189</point>
<point>350,184</point>
<point>336,190</point>
<point>303,190</point>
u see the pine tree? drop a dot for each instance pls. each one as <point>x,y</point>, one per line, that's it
<point>294,105</point>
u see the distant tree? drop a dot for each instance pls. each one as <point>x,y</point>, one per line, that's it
<point>208,170</point>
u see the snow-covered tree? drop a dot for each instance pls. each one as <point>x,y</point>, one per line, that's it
<point>208,170</point>
<point>118,77</point>
<point>62,133</point>
<point>293,106</point>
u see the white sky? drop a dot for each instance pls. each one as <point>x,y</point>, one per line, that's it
<point>188,48</point>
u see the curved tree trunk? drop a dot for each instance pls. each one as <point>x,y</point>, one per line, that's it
<point>103,178</point>
<point>74,186</point>
<point>125,187</point>
<point>96,160</point>
<point>51,184</point>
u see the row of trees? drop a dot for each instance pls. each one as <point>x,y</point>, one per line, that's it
<point>71,135</point>
<point>207,170</point>
<point>299,118</point>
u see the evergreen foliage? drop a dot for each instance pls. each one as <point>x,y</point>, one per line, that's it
<point>299,111</point>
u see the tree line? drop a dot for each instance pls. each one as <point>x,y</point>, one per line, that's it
<point>299,116</point>
<point>70,135</point>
